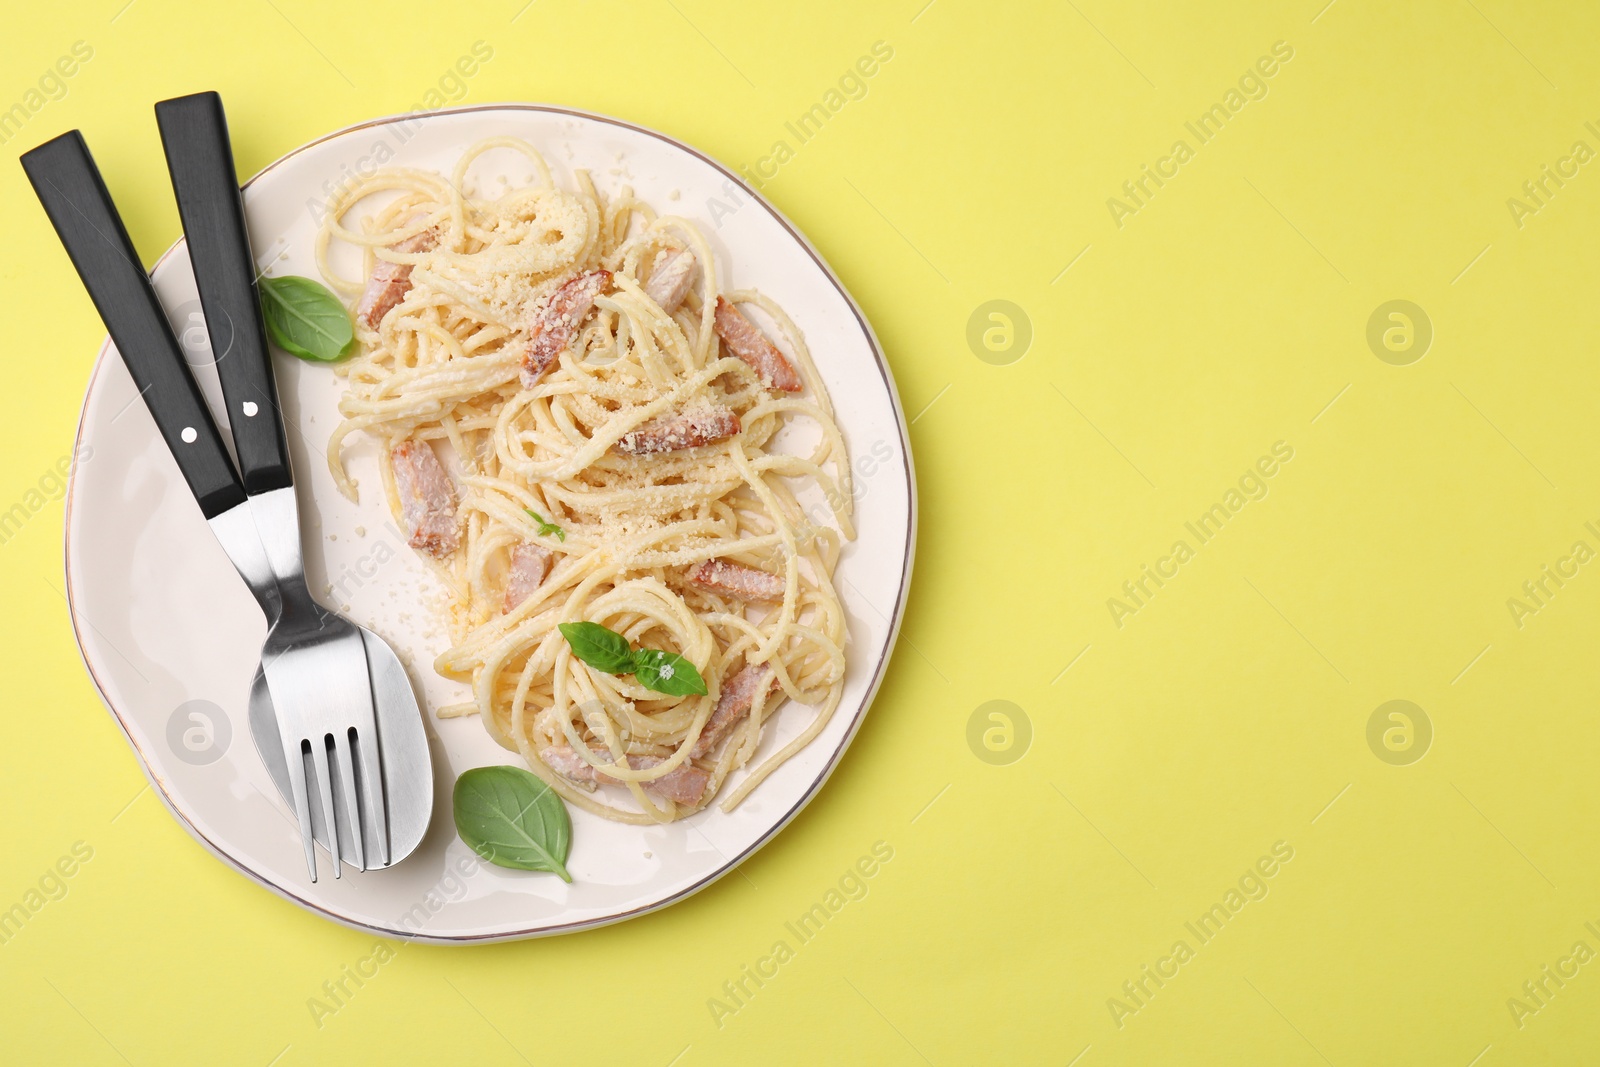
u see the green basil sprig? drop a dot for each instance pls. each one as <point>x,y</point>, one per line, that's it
<point>608,651</point>
<point>546,529</point>
<point>305,319</point>
<point>511,818</point>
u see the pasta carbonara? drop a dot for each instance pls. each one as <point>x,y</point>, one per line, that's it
<point>576,424</point>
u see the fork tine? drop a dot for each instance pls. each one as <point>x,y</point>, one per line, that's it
<point>294,755</point>
<point>343,759</point>
<point>371,765</point>
<point>319,757</point>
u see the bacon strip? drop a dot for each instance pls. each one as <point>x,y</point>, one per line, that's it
<point>736,580</point>
<point>554,328</point>
<point>669,283</point>
<point>751,345</point>
<point>427,498</point>
<point>391,281</point>
<point>683,785</point>
<point>684,429</point>
<point>530,565</point>
<point>738,694</point>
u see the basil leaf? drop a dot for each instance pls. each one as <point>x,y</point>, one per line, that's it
<point>305,319</point>
<point>546,529</point>
<point>608,651</point>
<point>667,672</point>
<point>511,818</point>
<point>603,649</point>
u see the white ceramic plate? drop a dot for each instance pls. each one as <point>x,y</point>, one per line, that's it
<point>171,637</point>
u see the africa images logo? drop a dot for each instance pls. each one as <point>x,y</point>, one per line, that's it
<point>1138,191</point>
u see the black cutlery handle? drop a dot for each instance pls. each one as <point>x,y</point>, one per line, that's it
<point>69,186</point>
<point>194,131</point>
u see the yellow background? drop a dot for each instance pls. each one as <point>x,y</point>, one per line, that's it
<point>1228,714</point>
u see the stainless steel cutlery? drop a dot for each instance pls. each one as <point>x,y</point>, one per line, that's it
<point>331,709</point>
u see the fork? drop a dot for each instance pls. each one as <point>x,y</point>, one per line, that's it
<point>314,660</point>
